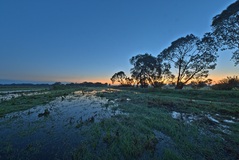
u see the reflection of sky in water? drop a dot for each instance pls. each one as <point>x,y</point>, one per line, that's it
<point>24,134</point>
<point>7,95</point>
<point>217,120</point>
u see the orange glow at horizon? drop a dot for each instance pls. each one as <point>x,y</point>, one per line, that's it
<point>80,80</point>
<point>215,79</point>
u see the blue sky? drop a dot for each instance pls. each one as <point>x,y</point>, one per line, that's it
<point>90,40</point>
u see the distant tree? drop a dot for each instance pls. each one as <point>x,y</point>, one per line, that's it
<point>57,85</point>
<point>226,29</point>
<point>228,83</point>
<point>121,78</point>
<point>148,70</point>
<point>192,57</point>
<point>200,83</point>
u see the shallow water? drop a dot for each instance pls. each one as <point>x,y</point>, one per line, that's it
<point>52,131</point>
<point>8,95</point>
<point>217,122</point>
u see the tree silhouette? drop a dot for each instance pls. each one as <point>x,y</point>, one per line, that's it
<point>226,29</point>
<point>119,77</point>
<point>192,57</point>
<point>146,69</point>
<point>228,83</point>
<point>200,83</point>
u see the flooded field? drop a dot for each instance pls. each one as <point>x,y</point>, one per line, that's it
<point>217,121</point>
<point>119,123</point>
<point>8,95</point>
<point>53,130</point>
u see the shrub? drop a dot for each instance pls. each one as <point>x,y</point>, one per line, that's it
<point>228,83</point>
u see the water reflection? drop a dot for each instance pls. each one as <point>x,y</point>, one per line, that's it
<point>53,130</point>
<point>8,95</point>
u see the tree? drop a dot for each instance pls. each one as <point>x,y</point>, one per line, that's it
<point>191,57</point>
<point>200,83</point>
<point>119,77</point>
<point>129,81</point>
<point>228,83</point>
<point>146,69</point>
<point>226,29</point>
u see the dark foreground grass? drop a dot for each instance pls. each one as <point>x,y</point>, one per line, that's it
<point>149,132</point>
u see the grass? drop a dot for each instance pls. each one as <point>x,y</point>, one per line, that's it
<point>133,136</point>
<point>224,102</point>
<point>148,131</point>
<point>16,88</point>
<point>26,102</point>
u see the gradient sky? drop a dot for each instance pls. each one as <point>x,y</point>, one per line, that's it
<point>90,40</point>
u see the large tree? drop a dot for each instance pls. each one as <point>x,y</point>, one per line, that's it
<point>146,69</point>
<point>191,57</point>
<point>226,29</point>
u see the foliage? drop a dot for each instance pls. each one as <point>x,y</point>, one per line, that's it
<point>192,57</point>
<point>57,86</point>
<point>226,29</point>
<point>200,83</point>
<point>148,70</point>
<point>228,83</point>
<point>119,77</point>
<point>122,79</point>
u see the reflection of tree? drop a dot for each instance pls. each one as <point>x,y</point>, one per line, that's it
<point>226,29</point>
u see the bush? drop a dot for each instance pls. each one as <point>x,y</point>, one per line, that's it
<point>228,83</point>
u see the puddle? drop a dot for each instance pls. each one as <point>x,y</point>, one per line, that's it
<point>217,122</point>
<point>53,130</point>
<point>8,95</point>
<point>212,119</point>
<point>188,118</point>
<point>228,121</point>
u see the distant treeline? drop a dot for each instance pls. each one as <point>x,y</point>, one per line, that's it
<point>24,85</point>
<point>59,85</point>
<point>56,85</point>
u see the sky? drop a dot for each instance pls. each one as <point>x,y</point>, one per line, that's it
<point>90,40</point>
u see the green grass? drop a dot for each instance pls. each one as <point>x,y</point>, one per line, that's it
<point>148,131</point>
<point>133,136</point>
<point>26,102</point>
<point>16,88</point>
<point>193,101</point>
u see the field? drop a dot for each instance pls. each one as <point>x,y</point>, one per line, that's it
<point>119,123</point>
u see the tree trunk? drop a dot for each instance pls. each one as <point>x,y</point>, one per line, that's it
<point>179,85</point>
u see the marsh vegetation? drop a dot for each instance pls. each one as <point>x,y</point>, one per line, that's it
<point>121,123</point>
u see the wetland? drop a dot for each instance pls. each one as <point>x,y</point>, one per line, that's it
<point>117,122</point>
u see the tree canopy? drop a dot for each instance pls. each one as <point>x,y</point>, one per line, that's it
<point>119,77</point>
<point>226,29</point>
<point>191,57</point>
<point>146,69</point>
